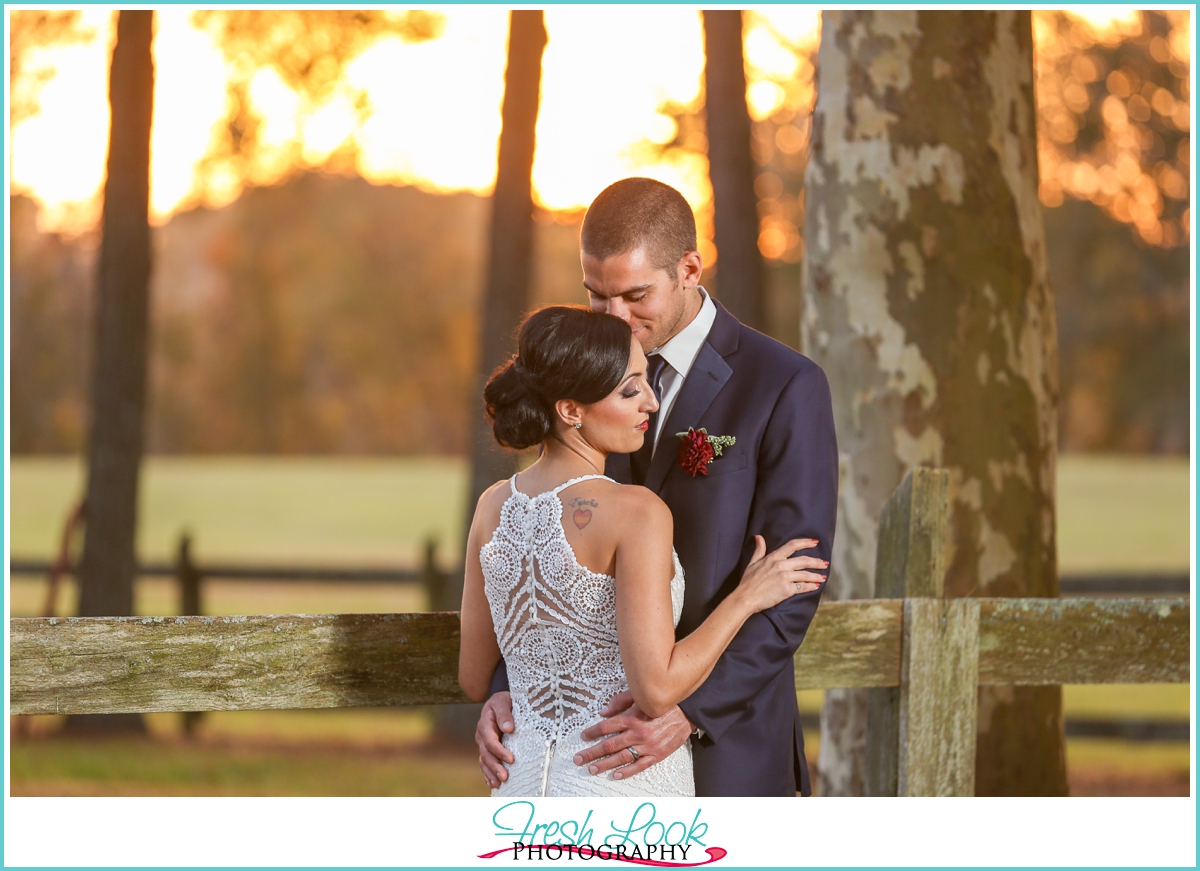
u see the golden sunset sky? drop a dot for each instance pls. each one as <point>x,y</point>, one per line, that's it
<point>436,106</point>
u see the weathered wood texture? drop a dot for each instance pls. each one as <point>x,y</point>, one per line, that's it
<point>1073,641</point>
<point>909,562</point>
<point>114,664</point>
<point>852,644</point>
<point>110,664</point>
<point>939,697</point>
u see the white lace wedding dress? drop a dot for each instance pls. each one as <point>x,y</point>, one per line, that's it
<point>556,623</point>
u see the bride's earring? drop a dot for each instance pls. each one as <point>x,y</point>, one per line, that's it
<point>579,426</point>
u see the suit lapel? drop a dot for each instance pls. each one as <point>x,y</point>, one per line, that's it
<point>707,376</point>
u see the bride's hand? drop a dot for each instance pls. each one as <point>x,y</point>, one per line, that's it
<point>772,577</point>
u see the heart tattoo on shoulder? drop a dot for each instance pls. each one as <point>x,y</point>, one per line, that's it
<point>583,516</point>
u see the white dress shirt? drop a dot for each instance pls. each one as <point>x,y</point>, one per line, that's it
<point>680,353</point>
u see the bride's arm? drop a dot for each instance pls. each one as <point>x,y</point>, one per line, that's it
<point>661,671</point>
<point>478,651</point>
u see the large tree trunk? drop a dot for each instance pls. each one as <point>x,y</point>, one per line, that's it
<point>509,276</point>
<point>740,271</point>
<point>109,563</point>
<point>927,303</point>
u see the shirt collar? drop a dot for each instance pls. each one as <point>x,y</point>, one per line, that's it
<point>682,348</point>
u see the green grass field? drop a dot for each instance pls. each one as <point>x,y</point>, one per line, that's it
<point>305,510</point>
<point>1115,514</point>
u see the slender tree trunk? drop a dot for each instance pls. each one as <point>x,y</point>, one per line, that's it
<point>509,276</point>
<point>927,303</point>
<point>740,270</point>
<point>510,249</point>
<point>109,562</point>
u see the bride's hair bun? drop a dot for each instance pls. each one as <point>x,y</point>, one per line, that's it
<point>564,352</point>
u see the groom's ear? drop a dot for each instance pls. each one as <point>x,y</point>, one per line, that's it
<point>569,411</point>
<point>689,269</point>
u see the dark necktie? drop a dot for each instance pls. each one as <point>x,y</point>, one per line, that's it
<point>640,461</point>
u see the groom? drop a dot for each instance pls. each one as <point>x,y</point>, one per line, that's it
<point>779,479</point>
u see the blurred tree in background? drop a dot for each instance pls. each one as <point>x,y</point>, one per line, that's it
<point>368,296</point>
<point>1114,113</point>
<point>49,311</point>
<point>510,233</point>
<point>323,315</point>
<point>120,351</point>
<point>308,50</point>
<point>731,167</point>
<point>1123,315</point>
<point>1114,110</point>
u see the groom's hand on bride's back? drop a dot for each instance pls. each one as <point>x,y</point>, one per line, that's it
<point>495,718</point>
<point>624,726</point>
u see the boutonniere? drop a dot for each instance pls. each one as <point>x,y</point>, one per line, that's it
<point>697,449</point>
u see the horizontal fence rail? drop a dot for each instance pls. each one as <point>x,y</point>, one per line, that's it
<point>1071,585</point>
<point>143,664</point>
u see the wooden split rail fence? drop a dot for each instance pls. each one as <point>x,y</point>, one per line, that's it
<point>923,655</point>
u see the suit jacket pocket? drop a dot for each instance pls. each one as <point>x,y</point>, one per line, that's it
<point>732,460</point>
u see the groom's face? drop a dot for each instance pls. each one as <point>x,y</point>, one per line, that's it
<point>645,296</point>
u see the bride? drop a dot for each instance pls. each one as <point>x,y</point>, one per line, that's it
<point>572,578</point>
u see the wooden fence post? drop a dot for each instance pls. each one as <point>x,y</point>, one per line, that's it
<point>435,581</point>
<point>909,563</point>
<point>189,578</point>
<point>939,693</point>
<point>189,604</point>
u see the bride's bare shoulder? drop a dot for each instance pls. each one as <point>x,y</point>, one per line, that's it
<point>639,507</point>
<point>487,509</point>
<point>499,491</point>
<point>605,506</point>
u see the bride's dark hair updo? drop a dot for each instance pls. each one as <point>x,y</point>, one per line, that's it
<point>564,352</point>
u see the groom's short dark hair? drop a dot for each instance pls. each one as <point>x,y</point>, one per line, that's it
<point>640,213</point>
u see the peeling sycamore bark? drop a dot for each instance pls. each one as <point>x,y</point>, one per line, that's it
<point>927,303</point>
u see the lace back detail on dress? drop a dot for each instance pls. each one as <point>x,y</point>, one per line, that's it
<point>554,619</point>
<point>556,623</point>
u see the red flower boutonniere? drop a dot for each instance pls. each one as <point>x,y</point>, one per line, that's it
<point>697,449</point>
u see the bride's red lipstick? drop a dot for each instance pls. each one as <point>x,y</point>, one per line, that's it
<point>644,425</point>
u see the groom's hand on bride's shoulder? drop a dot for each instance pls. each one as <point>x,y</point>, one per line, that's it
<point>624,726</point>
<point>495,718</point>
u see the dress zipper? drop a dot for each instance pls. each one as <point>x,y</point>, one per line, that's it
<point>546,766</point>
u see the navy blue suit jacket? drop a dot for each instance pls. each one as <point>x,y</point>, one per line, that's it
<point>780,481</point>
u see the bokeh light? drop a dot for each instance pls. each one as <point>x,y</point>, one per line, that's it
<point>1114,115</point>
